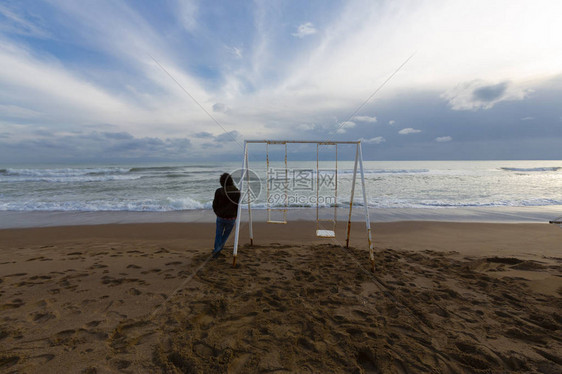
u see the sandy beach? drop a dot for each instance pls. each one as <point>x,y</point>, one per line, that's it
<point>445,298</point>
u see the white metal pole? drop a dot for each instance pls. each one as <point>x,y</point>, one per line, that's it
<point>237,232</point>
<point>317,187</point>
<point>250,226</point>
<point>367,219</point>
<point>336,194</point>
<point>286,187</point>
<point>267,181</point>
<point>352,195</point>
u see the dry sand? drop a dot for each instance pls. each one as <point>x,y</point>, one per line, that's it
<point>446,297</point>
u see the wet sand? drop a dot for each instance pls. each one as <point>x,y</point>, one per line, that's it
<point>445,297</point>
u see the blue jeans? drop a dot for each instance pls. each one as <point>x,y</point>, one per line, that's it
<point>224,227</point>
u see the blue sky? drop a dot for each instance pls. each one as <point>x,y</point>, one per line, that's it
<point>105,81</point>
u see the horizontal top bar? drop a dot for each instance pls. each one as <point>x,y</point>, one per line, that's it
<point>303,141</point>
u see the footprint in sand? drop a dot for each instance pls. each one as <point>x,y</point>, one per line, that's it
<point>121,364</point>
<point>127,334</point>
<point>93,323</point>
<point>8,361</point>
<point>44,358</point>
<point>15,275</point>
<point>97,266</point>
<point>40,317</point>
<point>35,277</point>
<point>151,271</point>
<point>173,263</point>
<point>16,303</point>
<point>35,258</point>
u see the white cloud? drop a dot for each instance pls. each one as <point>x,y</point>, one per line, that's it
<point>443,139</point>
<point>391,122</point>
<point>220,108</point>
<point>344,126</point>
<point>187,13</point>
<point>16,111</point>
<point>235,51</point>
<point>527,118</point>
<point>96,145</point>
<point>231,136</point>
<point>478,94</point>
<point>365,119</point>
<point>408,130</point>
<point>306,126</point>
<point>304,30</point>
<point>15,21</point>
<point>66,96</point>
<point>375,140</point>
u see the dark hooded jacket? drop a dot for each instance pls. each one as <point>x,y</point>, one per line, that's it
<point>226,206</point>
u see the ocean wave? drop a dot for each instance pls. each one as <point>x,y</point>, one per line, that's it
<point>62,172</point>
<point>164,205</point>
<point>491,204</point>
<point>80,179</point>
<point>64,175</point>
<point>370,171</point>
<point>154,168</point>
<point>394,171</point>
<point>188,203</point>
<point>552,168</point>
<point>144,169</point>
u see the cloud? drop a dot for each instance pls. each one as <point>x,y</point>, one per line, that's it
<point>408,130</point>
<point>490,93</point>
<point>96,145</point>
<point>304,30</point>
<point>344,126</point>
<point>391,122</point>
<point>19,21</point>
<point>235,51</point>
<point>527,118</point>
<point>118,135</point>
<point>375,140</point>
<point>15,111</point>
<point>231,136</point>
<point>220,108</point>
<point>365,119</point>
<point>443,139</point>
<point>203,135</point>
<point>187,13</point>
<point>477,94</point>
<point>306,126</point>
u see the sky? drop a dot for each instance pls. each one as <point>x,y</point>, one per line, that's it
<point>112,81</point>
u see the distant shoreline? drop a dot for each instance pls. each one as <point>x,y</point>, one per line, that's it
<point>19,219</point>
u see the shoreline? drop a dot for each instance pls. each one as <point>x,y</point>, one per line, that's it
<point>26,219</point>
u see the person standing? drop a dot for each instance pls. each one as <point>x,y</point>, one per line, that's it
<point>225,206</point>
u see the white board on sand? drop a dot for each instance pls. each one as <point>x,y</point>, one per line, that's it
<point>325,234</point>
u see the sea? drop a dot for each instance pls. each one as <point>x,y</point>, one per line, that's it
<point>510,191</point>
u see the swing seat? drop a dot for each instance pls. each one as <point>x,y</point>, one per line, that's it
<point>325,234</point>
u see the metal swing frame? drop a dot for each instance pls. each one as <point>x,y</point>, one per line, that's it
<point>245,189</point>
<point>322,233</point>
